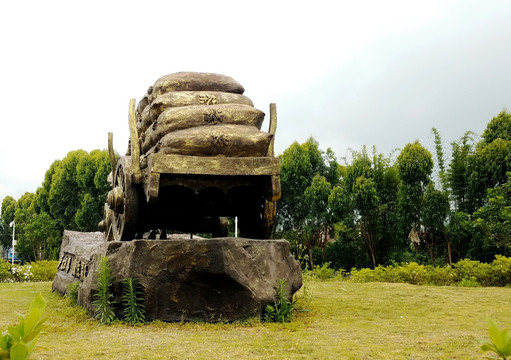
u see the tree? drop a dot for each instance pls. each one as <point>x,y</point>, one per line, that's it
<point>434,213</point>
<point>365,202</point>
<point>43,192</point>
<point>7,215</point>
<point>91,174</point>
<point>415,165</point>
<point>78,188</point>
<point>458,174</point>
<point>318,219</point>
<point>490,164</point>
<point>495,218</point>
<point>498,128</point>
<point>439,150</point>
<point>64,196</point>
<point>299,164</point>
<point>41,238</point>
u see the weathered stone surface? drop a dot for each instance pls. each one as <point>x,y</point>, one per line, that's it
<point>78,250</point>
<point>197,279</point>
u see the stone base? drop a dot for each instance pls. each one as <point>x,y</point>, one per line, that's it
<point>221,279</point>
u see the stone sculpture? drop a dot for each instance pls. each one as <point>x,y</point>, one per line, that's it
<point>197,156</point>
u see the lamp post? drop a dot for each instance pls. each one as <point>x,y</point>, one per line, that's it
<point>13,225</point>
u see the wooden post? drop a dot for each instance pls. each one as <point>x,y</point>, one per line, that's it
<point>272,129</point>
<point>135,145</point>
<point>111,153</point>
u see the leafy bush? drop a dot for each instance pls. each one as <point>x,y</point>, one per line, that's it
<point>44,270</point>
<point>5,272</point>
<point>363,276</point>
<point>442,275</point>
<point>18,342</point>
<point>502,267</point>
<point>72,292</point>
<point>464,273</point>
<point>21,273</point>
<point>103,298</point>
<point>323,272</point>
<point>133,299</point>
<point>482,273</point>
<point>500,341</point>
<point>282,307</point>
<point>469,282</point>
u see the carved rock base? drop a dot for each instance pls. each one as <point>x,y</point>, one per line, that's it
<point>221,279</point>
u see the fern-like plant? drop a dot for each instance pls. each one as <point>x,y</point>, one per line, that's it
<point>103,299</point>
<point>133,301</point>
<point>283,305</point>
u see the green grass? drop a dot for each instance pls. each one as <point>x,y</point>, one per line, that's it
<point>347,321</point>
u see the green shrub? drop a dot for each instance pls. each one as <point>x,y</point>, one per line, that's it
<point>72,292</point>
<point>483,273</point>
<point>413,273</point>
<point>323,272</point>
<point>442,276</point>
<point>500,341</point>
<point>362,276</point>
<point>282,307</point>
<point>103,298</point>
<point>133,301</point>
<point>469,282</point>
<point>44,270</point>
<point>21,273</point>
<point>18,342</point>
<point>5,272</point>
<point>502,270</point>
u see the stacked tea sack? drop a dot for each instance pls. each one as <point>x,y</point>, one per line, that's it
<point>200,114</point>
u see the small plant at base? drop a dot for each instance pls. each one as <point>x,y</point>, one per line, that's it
<point>18,342</point>
<point>103,302</point>
<point>282,308</point>
<point>500,341</point>
<point>303,302</point>
<point>132,299</point>
<point>72,292</point>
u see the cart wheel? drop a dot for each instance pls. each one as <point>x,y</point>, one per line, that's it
<point>123,200</point>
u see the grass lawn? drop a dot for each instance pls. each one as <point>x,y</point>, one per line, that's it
<point>347,321</point>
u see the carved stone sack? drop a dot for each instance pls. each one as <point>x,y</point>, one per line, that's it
<point>215,140</point>
<point>142,105</point>
<point>144,121</point>
<point>179,118</point>
<point>195,81</point>
<point>186,98</point>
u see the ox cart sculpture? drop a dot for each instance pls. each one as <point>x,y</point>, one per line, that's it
<point>197,155</point>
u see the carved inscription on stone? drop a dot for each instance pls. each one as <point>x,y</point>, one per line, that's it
<point>213,117</point>
<point>207,99</point>
<point>78,268</point>
<point>219,140</point>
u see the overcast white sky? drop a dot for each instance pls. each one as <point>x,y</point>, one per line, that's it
<point>348,73</point>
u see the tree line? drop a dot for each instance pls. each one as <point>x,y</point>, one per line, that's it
<point>71,197</point>
<point>374,210</point>
<point>367,210</point>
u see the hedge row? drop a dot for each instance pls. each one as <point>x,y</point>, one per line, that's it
<point>44,270</point>
<point>464,273</point>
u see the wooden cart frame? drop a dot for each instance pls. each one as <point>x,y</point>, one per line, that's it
<point>190,193</point>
